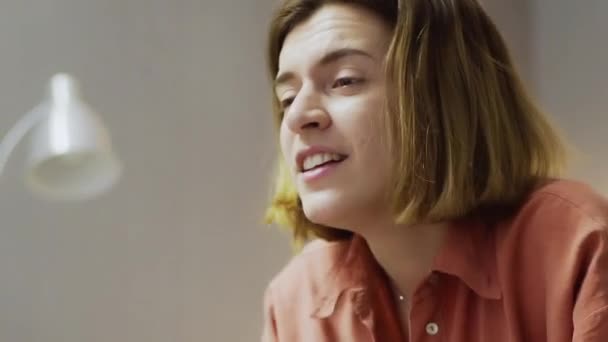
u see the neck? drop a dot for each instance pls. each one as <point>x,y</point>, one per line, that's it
<point>406,253</point>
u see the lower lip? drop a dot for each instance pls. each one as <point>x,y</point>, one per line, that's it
<point>319,172</point>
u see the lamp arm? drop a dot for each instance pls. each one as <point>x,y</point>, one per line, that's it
<point>16,133</point>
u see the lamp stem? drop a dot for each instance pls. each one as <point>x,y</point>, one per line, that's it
<point>16,133</point>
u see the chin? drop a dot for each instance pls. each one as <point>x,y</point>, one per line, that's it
<point>342,210</point>
<point>326,209</point>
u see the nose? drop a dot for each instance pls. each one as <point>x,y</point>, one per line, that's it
<point>307,112</point>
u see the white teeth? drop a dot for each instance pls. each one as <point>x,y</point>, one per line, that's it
<point>318,159</point>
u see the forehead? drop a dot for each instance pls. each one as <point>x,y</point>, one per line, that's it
<point>332,27</point>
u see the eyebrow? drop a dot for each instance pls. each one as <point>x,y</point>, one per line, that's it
<point>329,58</point>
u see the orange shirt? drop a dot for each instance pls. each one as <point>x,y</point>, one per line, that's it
<point>540,276</point>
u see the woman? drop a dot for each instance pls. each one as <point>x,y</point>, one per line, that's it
<point>426,178</point>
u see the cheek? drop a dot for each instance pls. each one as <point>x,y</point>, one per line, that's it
<point>367,130</point>
<point>369,139</point>
<point>285,140</point>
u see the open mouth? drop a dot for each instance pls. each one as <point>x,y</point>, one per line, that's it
<point>320,160</point>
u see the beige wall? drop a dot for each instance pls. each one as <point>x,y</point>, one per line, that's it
<point>176,252</point>
<point>571,66</point>
<point>560,48</point>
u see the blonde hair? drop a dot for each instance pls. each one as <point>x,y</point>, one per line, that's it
<point>465,135</point>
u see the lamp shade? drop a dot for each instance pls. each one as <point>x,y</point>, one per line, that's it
<point>70,155</point>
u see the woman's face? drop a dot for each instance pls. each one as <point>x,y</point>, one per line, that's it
<point>332,87</point>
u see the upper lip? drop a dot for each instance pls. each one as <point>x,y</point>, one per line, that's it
<point>301,156</point>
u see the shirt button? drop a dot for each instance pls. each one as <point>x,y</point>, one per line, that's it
<point>432,329</point>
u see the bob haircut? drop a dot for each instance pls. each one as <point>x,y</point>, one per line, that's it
<point>465,137</point>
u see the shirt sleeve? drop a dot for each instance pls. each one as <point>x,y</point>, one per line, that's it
<point>269,330</point>
<point>590,316</point>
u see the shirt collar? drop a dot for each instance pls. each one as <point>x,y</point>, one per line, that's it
<point>468,253</point>
<point>355,268</point>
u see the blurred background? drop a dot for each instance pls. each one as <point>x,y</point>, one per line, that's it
<point>177,251</point>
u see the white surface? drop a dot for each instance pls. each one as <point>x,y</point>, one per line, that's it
<point>70,151</point>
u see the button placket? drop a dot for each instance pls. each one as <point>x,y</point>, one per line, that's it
<point>425,312</point>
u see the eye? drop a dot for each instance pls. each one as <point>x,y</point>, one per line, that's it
<point>346,81</point>
<point>286,102</point>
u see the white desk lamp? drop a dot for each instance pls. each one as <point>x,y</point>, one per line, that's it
<point>70,156</point>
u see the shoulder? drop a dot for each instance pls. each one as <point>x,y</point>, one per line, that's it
<point>305,277</point>
<point>562,207</point>
<point>554,252</point>
<point>557,230</point>
<point>577,198</point>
